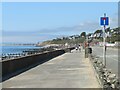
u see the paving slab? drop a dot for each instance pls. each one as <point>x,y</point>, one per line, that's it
<point>70,70</point>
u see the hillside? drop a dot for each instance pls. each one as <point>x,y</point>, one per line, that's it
<point>112,35</point>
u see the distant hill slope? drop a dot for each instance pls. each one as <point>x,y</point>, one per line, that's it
<point>113,35</point>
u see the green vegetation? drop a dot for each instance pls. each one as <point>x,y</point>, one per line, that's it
<point>113,35</point>
<point>65,40</point>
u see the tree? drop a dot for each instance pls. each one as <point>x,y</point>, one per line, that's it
<point>83,34</point>
<point>98,31</point>
<point>98,34</point>
<point>107,29</point>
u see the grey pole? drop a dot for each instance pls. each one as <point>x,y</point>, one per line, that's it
<point>104,44</point>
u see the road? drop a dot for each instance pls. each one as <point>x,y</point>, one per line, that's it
<point>112,58</point>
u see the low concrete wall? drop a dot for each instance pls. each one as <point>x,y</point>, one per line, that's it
<point>9,67</point>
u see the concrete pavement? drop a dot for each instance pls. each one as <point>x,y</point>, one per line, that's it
<point>70,70</point>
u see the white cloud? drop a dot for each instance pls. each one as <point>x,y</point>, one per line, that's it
<point>46,34</point>
<point>81,24</point>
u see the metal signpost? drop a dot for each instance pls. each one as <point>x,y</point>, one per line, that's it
<point>104,21</point>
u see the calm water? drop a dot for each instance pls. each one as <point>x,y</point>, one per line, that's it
<point>16,49</point>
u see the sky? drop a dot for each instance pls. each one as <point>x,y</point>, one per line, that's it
<point>31,22</point>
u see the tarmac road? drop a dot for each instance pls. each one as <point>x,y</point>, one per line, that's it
<point>112,58</point>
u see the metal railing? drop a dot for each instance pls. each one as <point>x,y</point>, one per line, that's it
<point>25,53</point>
<point>29,52</point>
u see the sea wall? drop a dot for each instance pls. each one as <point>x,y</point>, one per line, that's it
<point>13,67</point>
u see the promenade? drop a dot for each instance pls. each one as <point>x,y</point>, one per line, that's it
<point>70,70</point>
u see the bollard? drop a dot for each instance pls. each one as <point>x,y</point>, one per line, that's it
<point>90,50</point>
<point>86,52</point>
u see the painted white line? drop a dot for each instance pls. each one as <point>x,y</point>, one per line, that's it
<point>115,59</point>
<point>110,58</point>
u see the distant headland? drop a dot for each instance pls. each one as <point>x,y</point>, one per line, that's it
<point>18,44</point>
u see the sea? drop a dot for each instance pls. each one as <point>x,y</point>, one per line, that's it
<point>15,49</point>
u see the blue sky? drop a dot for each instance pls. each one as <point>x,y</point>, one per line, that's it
<point>38,21</point>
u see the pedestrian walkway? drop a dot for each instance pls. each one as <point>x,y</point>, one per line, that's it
<point>70,70</point>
